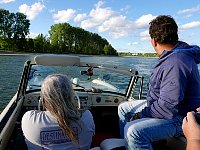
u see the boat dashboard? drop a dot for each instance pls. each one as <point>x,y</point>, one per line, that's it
<point>86,99</point>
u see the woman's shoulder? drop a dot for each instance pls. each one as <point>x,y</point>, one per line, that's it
<point>31,113</point>
<point>38,116</point>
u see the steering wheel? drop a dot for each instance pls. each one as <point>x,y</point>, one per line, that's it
<point>76,97</point>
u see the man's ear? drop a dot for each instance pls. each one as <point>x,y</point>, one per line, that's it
<point>153,42</point>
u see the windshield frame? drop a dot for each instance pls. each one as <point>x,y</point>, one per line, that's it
<point>102,77</point>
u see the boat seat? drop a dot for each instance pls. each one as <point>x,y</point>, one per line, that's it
<point>119,144</point>
<point>112,143</point>
<point>95,148</point>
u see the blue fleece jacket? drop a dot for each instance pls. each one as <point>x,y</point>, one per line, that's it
<point>174,86</point>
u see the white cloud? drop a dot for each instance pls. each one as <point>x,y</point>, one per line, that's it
<point>104,19</point>
<point>101,14</point>
<point>188,15</point>
<point>144,35</point>
<point>125,9</point>
<point>6,1</point>
<point>132,43</point>
<point>99,4</point>
<point>64,15</point>
<point>97,16</point>
<point>87,24</point>
<point>118,26</point>
<point>32,35</point>
<point>117,33</point>
<point>190,10</point>
<point>190,25</point>
<point>31,11</point>
<point>143,21</point>
<point>80,17</point>
<point>52,10</point>
<point>112,23</point>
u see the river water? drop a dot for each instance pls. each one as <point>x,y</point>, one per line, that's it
<point>11,67</point>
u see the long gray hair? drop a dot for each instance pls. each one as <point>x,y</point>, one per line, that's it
<point>57,96</point>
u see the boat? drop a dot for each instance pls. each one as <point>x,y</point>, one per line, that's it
<point>99,88</point>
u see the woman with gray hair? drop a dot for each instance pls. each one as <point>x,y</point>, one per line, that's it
<point>60,125</point>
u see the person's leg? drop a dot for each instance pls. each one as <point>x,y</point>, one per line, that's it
<point>126,110</point>
<point>139,134</point>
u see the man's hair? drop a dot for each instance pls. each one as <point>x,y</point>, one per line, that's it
<point>164,30</point>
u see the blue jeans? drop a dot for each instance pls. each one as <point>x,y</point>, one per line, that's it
<point>140,133</point>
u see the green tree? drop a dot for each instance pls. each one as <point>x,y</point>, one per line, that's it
<point>61,36</point>
<point>13,30</point>
<point>42,44</point>
<point>80,40</point>
<point>109,50</point>
<point>30,45</point>
<point>21,26</point>
<point>4,23</point>
<point>21,30</point>
<point>67,39</point>
<point>6,31</point>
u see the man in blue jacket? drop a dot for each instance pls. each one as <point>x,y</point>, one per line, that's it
<point>174,89</point>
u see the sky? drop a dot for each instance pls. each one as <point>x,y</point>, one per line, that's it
<point>124,23</point>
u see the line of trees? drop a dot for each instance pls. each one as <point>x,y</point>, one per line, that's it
<point>138,54</point>
<point>62,38</point>
<point>13,30</point>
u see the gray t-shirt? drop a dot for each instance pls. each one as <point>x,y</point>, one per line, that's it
<point>42,131</point>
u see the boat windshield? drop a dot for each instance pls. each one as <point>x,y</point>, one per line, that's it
<point>82,78</point>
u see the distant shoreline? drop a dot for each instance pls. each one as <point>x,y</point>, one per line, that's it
<point>10,53</point>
